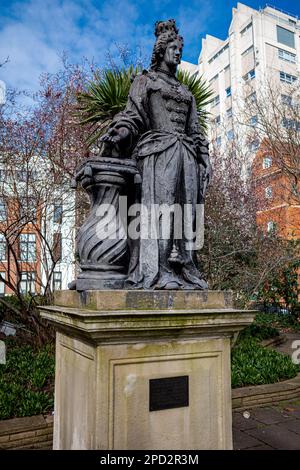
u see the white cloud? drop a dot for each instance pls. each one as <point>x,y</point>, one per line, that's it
<point>40,30</point>
<point>36,32</point>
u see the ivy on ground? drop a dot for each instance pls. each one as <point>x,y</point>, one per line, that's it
<point>27,381</point>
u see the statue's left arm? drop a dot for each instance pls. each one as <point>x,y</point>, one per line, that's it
<point>129,124</point>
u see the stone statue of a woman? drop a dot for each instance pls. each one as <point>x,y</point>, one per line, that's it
<point>161,127</point>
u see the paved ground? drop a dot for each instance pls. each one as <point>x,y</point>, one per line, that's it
<point>286,347</point>
<point>269,428</point>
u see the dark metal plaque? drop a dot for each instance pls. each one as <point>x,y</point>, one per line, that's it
<point>170,392</point>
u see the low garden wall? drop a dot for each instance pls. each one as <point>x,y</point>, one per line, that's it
<point>265,395</point>
<point>34,432</point>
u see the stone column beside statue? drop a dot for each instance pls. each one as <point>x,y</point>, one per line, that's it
<point>142,346</point>
<point>102,247</point>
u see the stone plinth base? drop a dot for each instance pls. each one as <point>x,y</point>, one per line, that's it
<point>156,376</point>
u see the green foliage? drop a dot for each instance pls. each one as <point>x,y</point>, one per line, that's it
<point>282,286</point>
<point>104,97</point>
<point>278,320</point>
<point>201,91</point>
<point>259,332</point>
<point>252,364</point>
<point>26,381</point>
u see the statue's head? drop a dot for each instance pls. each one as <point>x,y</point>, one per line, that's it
<point>166,33</point>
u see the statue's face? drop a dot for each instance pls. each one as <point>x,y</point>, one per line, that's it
<point>173,53</point>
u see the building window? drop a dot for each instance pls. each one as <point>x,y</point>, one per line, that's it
<point>57,280</point>
<point>218,53</point>
<point>3,215</point>
<point>215,101</point>
<point>250,75</point>
<point>246,52</point>
<point>291,124</point>
<point>214,78</point>
<point>27,282</point>
<point>57,247</point>
<point>285,36</point>
<point>244,30</point>
<point>2,283</point>
<point>254,145</point>
<point>3,247</point>
<point>57,212</point>
<point>28,209</point>
<point>229,112</point>
<point>3,175</point>
<point>287,78</point>
<point>218,120</point>
<point>228,92</point>
<point>252,97</point>
<point>27,247</point>
<point>21,176</point>
<point>286,99</point>
<point>269,192</point>
<point>253,121</point>
<point>267,162</point>
<point>287,56</point>
<point>218,141</point>
<point>271,226</point>
<point>230,134</point>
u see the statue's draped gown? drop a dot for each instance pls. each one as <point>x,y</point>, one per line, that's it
<point>168,147</point>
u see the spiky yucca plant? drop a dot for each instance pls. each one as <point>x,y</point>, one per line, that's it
<point>104,97</point>
<point>107,95</point>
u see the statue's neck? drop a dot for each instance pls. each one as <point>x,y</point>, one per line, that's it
<point>170,70</point>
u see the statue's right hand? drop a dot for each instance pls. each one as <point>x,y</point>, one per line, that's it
<point>115,135</point>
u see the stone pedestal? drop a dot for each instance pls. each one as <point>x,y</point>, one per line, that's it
<point>144,369</point>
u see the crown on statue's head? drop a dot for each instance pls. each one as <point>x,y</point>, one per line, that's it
<point>165,27</point>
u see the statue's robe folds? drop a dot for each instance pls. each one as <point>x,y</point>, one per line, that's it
<point>170,151</point>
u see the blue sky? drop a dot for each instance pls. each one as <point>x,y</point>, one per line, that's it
<point>34,33</point>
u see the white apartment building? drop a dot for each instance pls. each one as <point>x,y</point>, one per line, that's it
<point>56,222</point>
<point>44,249</point>
<point>261,44</point>
<point>2,92</point>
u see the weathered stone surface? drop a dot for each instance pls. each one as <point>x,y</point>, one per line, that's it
<point>102,402</point>
<point>138,325</point>
<point>269,416</point>
<point>276,437</point>
<point>292,425</point>
<point>21,424</point>
<point>107,357</point>
<point>259,447</point>
<point>106,300</point>
<point>243,441</point>
<point>239,422</point>
<point>262,395</point>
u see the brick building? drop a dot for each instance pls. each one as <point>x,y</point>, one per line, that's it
<point>277,200</point>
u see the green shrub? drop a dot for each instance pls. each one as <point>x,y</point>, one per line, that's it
<point>26,381</point>
<point>259,331</point>
<point>252,364</point>
<point>278,320</point>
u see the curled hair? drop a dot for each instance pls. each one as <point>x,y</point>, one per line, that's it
<point>160,47</point>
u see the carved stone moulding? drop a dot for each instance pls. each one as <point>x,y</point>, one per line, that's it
<point>102,247</point>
